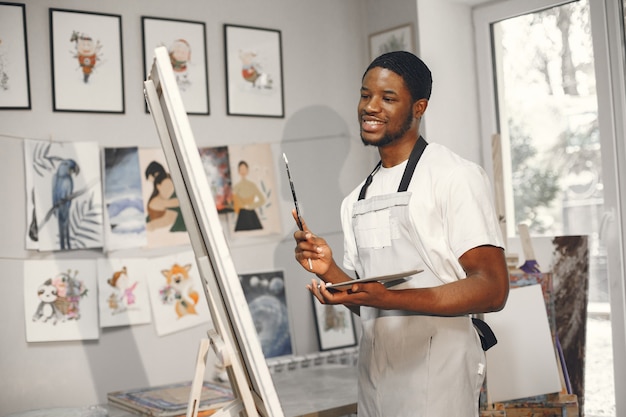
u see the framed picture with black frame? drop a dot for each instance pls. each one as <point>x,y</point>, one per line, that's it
<point>185,41</point>
<point>254,71</point>
<point>334,325</point>
<point>87,61</point>
<point>14,72</point>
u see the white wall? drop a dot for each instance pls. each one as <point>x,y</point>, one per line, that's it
<point>325,50</point>
<point>446,45</point>
<point>444,40</point>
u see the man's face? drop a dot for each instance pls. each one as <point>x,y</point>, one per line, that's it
<point>385,108</point>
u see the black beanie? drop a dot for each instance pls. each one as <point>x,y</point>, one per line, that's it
<point>413,70</point>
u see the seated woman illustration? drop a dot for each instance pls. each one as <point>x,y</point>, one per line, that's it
<point>163,206</point>
<point>247,198</point>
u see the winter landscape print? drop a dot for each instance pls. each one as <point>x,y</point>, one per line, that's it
<point>124,214</point>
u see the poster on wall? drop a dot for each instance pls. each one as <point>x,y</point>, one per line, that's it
<point>60,300</point>
<point>255,193</point>
<point>32,234</point>
<point>185,41</point>
<point>265,294</point>
<point>254,71</point>
<point>67,193</point>
<point>176,293</point>
<point>164,220</point>
<point>124,215</point>
<point>14,73</point>
<point>123,292</point>
<point>216,164</point>
<point>86,55</point>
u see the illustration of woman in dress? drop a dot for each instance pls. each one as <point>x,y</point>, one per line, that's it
<point>163,207</point>
<point>247,198</point>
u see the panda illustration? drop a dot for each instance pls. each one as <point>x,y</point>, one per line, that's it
<point>47,310</point>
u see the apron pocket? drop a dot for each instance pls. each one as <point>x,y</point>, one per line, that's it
<point>373,230</point>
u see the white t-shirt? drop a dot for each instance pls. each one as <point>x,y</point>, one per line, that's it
<point>451,208</point>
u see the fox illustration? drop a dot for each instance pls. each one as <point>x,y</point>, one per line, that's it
<point>180,286</point>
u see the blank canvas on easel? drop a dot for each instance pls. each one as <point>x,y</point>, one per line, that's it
<point>523,363</point>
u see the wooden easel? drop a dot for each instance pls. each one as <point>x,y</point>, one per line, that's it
<point>234,337</point>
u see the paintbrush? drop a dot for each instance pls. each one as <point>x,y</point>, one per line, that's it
<point>295,201</point>
<point>530,265</point>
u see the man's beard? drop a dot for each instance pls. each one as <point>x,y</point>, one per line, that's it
<point>391,137</point>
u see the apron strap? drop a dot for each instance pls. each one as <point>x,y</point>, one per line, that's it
<point>416,154</point>
<point>368,181</point>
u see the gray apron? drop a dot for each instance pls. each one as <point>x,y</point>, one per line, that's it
<point>410,365</point>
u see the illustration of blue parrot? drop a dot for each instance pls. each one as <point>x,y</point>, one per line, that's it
<point>62,189</point>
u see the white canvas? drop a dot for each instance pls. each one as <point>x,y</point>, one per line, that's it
<point>250,375</point>
<point>523,363</point>
<point>60,300</point>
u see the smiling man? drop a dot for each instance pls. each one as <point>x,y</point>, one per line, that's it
<point>422,208</point>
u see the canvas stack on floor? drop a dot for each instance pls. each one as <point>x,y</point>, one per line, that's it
<point>551,405</point>
<point>171,400</point>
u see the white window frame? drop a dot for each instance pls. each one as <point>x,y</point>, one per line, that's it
<point>610,64</point>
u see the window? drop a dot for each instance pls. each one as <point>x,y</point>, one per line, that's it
<point>537,62</point>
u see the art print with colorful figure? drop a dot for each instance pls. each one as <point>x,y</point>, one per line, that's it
<point>87,61</point>
<point>255,200</point>
<point>88,53</point>
<point>254,71</point>
<point>60,300</point>
<point>185,41</point>
<point>165,225</point>
<point>123,292</point>
<point>176,293</point>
